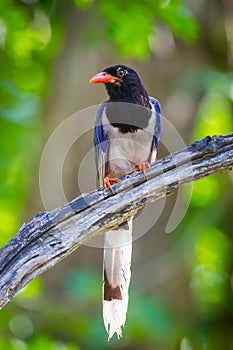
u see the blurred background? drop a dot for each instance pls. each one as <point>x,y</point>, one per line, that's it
<point>181,287</point>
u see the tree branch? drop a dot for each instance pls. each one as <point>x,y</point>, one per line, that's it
<point>51,236</point>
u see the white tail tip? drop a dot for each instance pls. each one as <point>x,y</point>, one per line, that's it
<point>114,315</point>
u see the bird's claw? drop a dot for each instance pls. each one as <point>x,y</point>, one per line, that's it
<point>142,167</point>
<point>108,180</point>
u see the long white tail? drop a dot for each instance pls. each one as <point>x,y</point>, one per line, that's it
<point>117,273</point>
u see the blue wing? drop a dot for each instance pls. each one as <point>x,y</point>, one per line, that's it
<point>158,124</point>
<point>101,143</point>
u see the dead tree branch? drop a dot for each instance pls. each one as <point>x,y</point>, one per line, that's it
<point>51,236</point>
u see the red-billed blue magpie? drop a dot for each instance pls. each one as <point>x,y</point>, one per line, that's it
<point>126,137</point>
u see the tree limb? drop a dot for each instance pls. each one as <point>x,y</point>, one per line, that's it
<point>51,236</point>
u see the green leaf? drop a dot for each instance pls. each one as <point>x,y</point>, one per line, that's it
<point>129,26</point>
<point>180,19</point>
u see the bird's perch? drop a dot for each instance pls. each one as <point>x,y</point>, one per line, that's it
<point>51,236</point>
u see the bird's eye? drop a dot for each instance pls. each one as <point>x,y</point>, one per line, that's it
<point>121,72</point>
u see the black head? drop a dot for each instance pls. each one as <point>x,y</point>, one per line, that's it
<point>123,75</point>
<point>122,84</point>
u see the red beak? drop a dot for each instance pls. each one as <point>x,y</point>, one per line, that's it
<point>103,78</point>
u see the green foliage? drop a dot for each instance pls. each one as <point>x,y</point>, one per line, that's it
<point>214,116</point>
<point>211,261</point>
<point>38,343</point>
<point>205,231</point>
<point>25,41</point>
<point>131,25</point>
<point>19,125</point>
<point>125,22</point>
<point>178,17</point>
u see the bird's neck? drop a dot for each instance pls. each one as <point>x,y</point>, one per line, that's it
<point>130,94</point>
<point>128,109</point>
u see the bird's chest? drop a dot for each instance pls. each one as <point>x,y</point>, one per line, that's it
<point>126,150</point>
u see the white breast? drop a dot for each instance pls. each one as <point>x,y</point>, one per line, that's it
<point>129,149</point>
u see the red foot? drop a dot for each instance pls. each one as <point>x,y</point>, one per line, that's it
<point>108,180</point>
<point>142,167</point>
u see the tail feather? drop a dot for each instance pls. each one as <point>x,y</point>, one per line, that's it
<point>117,273</point>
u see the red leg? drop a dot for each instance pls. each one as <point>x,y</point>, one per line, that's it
<point>107,181</point>
<point>142,167</point>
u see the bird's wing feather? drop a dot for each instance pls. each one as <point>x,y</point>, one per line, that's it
<point>156,111</point>
<point>101,143</point>
<point>158,124</point>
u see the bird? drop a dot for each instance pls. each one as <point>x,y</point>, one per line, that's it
<point>126,137</point>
